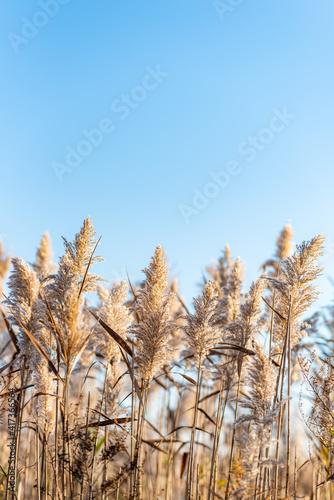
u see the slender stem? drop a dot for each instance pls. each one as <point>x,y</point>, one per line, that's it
<point>37,465</point>
<point>65,429</point>
<point>216,437</point>
<point>170,451</point>
<point>190,472</point>
<point>133,406</point>
<point>138,470</point>
<point>289,391</point>
<point>97,433</point>
<point>233,436</point>
<point>86,435</point>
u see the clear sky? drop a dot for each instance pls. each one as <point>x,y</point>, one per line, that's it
<point>189,123</point>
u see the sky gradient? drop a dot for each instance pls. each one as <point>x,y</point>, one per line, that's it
<point>191,124</point>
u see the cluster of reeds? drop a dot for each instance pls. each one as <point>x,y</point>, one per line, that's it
<point>123,392</point>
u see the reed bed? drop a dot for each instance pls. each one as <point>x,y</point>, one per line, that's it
<point>122,391</point>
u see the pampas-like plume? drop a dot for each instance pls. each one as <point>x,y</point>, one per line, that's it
<point>229,305</point>
<point>221,271</point>
<point>26,312</point>
<point>113,312</point>
<point>320,385</point>
<point>152,305</point>
<point>80,255</point>
<point>255,439</point>
<point>24,288</point>
<point>247,324</point>
<point>43,264</point>
<point>201,327</point>
<point>284,243</point>
<point>64,298</point>
<point>297,272</point>
<point>283,250</point>
<point>261,380</point>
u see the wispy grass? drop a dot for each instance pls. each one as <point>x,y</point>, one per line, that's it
<point>137,395</point>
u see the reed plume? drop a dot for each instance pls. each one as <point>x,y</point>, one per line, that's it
<point>152,305</point>
<point>43,265</point>
<point>295,285</point>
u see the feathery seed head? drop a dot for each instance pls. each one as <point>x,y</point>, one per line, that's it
<point>298,272</point>
<point>79,254</point>
<point>43,265</point>
<point>152,305</point>
<point>116,315</point>
<point>201,327</point>
<point>24,293</point>
<point>284,243</point>
<point>248,323</point>
<point>229,305</point>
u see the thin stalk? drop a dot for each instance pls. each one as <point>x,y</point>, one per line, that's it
<point>190,472</point>
<point>86,435</point>
<point>56,458</point>
<point>280,378</point>
<point>138,471</point>
<point>65,428</point>
<point>216,437</point>
<point>219,434</point>
<point>26,462</point>
<point>295,476</point>
<point>133,406</point>
<point>233,436</point>
<point>18,424</point>
<point>97,433</point>
<point>37,465</point>
<point>289,410</point>
<point>170,468</point>
<point>104,475</point>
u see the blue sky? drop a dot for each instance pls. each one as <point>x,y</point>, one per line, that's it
<point>221,81</point>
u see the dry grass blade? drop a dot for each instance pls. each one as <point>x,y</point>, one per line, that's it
<point>169,377</point>
<point>57,336</point>
<point>41,351</point>
<point>155,446</point>
<point>10,331</point>
<point>191,380</point>
<point>276,312</point>
<point>306,461</point>
<point>154,428</point>
<point>110,421</point>
<point>3,472</point>
<point>133,378</point>
<point>88,266</point>
<point>3,368</point>
<point>3,349</point>
<point>16,391</point>
<point>81,349</point>
<point>183,463</point>
<point>160,383</point>
<point>182,303</point>
<point>113,334</point>
<point>42,394</point>
<point>125,398</point>
<point>225,346</point>
<point>208,396</point>
<point>207,415</point>
<point>188,427</point>
<point>130,284</point>
<point>216,352</point>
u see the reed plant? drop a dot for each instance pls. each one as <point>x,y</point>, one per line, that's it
<point>123,391</point>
